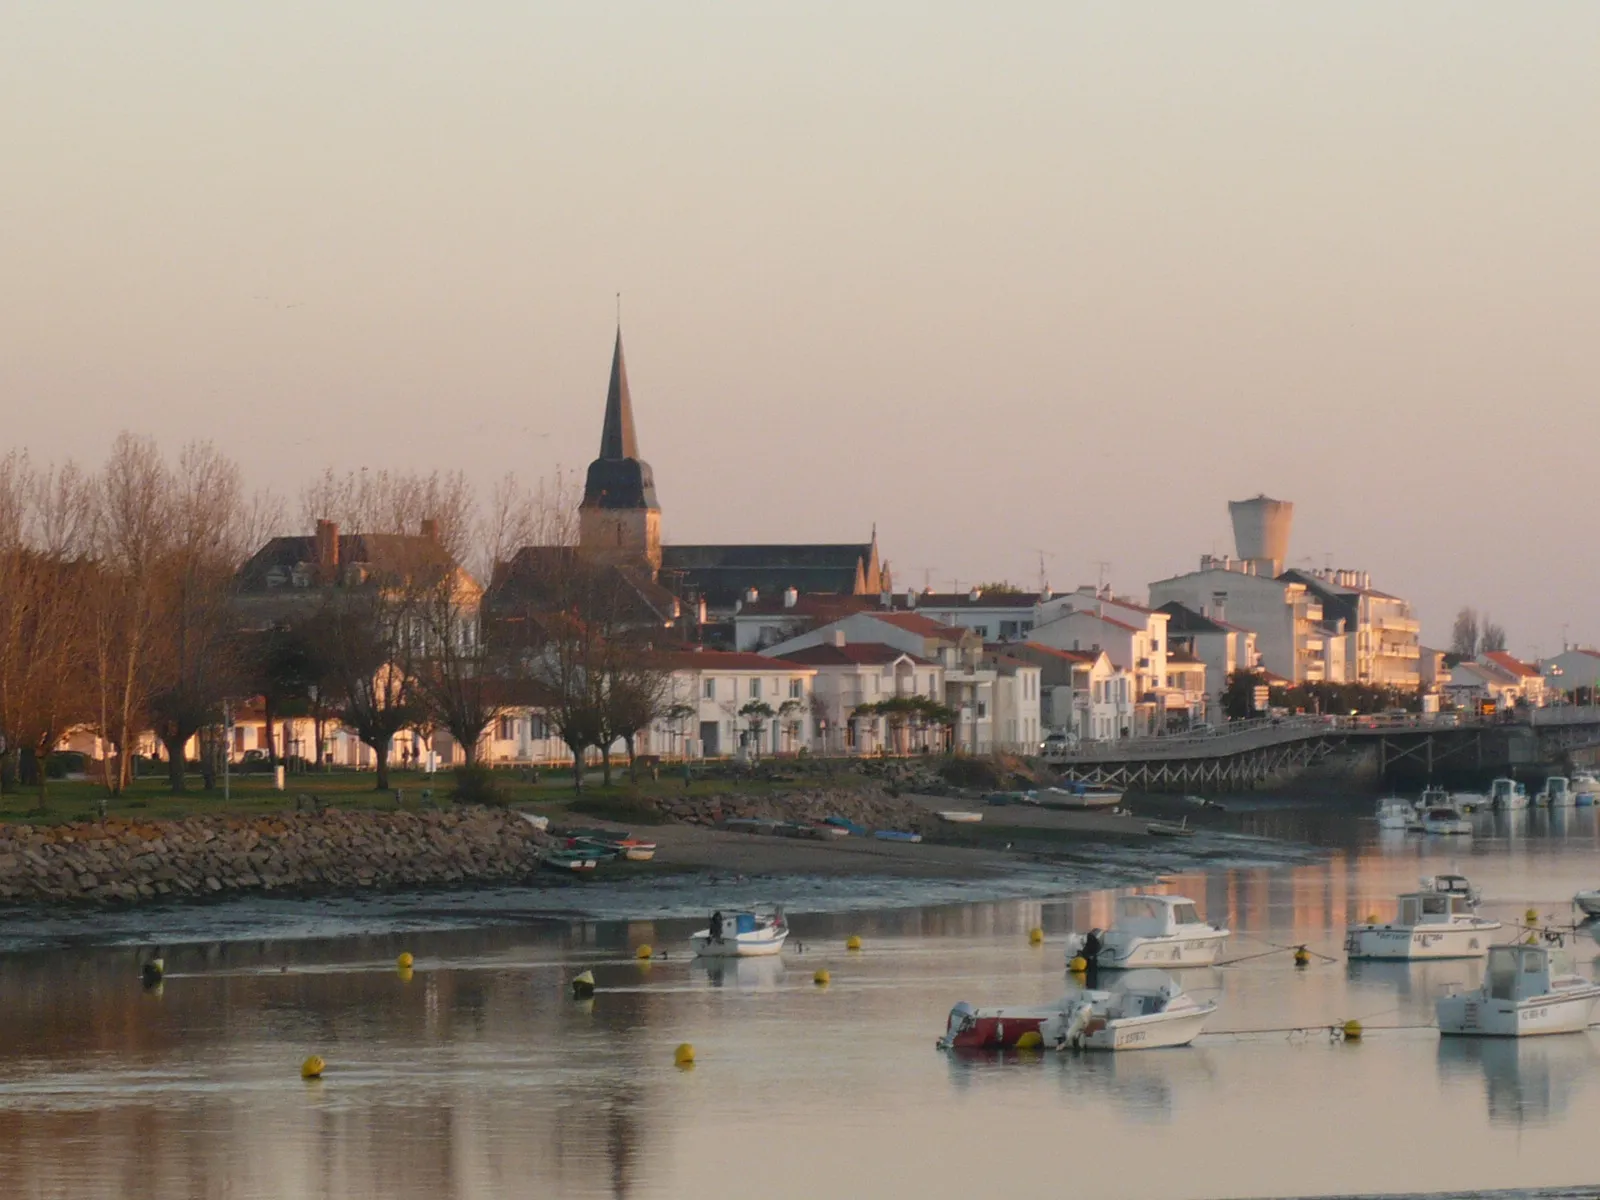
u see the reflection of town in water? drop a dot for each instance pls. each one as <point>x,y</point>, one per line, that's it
<point>479,1074</point>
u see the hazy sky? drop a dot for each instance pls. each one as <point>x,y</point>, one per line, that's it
<point>1001,278</point>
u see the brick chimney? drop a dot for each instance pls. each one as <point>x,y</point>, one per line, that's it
<point>327,550</point>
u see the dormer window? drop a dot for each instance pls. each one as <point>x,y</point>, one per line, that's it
<point>277,577</point>
<point>301,576</point>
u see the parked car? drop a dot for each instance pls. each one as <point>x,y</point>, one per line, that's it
<point>1058,743</point>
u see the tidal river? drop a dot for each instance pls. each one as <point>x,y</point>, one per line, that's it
<point>478,1074</point>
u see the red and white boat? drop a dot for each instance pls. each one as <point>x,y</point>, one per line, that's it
<point>1146,1010</point>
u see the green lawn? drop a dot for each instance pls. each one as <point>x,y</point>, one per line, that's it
<point>251,795</point>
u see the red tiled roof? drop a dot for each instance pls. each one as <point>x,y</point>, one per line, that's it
<point>1074,656</point>
<point>1514,666</point>
<point>720,660</point>
<point>860,654</point>
<point>917,623</point>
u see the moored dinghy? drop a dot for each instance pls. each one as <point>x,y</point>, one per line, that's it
<point>1430,924</point>
<point>1520,997</point>
<point>741,934</point>
<point>1146,1010</point>
<point>1151,931</point>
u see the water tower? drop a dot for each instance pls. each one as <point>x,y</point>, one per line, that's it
<point>1261,532</point>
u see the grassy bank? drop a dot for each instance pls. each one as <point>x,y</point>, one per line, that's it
<point>250,795</point>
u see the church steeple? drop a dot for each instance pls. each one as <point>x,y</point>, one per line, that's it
<point>619,519</point>
<point>617,438</point>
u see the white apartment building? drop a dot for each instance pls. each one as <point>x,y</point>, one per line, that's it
<point>1223,648</point>
<point>1382,640</point>
<point>849,675</point>
<point>1284,615</point>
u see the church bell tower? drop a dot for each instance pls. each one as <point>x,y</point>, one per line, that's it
<point>619,520</point>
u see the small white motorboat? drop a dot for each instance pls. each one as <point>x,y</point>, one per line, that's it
<point>1556,793</point>
<point>1520,997</point>
<point>1445,819</point>
<point>1453,885</point>
<point>960,817</point>
<point>1146,1010</point>
<point>1507,795</point>
<point>1467,802</point>
<point>741,934</point>
<point>1151,931</point>
<point>1585,789</point>
<point>1588,902</point>
<point>1395,813</point>
<point>1078,795</point>
<point>1430,924</point>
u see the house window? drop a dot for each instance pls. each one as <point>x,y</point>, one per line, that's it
<point>508,728</point>
<point>711,689</point>
<point>755,689</point>
<point>795,689</point>
<point>981,630</point>
<point>983,710</point>
<point>1008,630</point>
<point>536,729</point>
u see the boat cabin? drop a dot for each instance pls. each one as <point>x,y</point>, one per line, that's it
<point>1517,973</point>
<point>1502,790</point>
<point>1431,908</point>
<point>1450,885</point>
<point>1556,789</point>
<point>1155,916</point>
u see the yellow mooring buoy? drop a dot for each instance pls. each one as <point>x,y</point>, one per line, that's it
<point>1352,1031</point>
<point>152,972</point>
<point>1531,917</point>
<point>406,974</point>
<point>852,942</point>
<point>1035,936</point>
<point>1078,965</point>
<point>684,1055</point>
<point>313,1067</point>
<point>643,952</point>
<point>821,978</point>
<point>583,985</point>
<point>405,962</point>
<point>1302,956</point>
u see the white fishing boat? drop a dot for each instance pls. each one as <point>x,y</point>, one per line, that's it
<point>1588,902</point>
<point>1507,795</point>
<point>1395,813</point>
<point>1151,931</point>
<point>1445,819</point>
<point>1585,789</point>
<point>1453,885</point>
<point>1429,924</point>
<point>1078,795</point>
<point>958,816</point>
<point>1520,997</point>
<point>1556,793</point>
<point>1146,1010</point>
<point>741,934</point>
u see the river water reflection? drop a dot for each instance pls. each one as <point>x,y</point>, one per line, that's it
<point>479,1076</point>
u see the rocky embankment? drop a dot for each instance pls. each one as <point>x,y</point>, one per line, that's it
<point>130,861</point>
<point>865,806</point>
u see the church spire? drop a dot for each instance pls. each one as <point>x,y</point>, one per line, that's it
<point>617,438</point>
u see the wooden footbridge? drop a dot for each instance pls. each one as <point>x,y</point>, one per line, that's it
<point>1247,754</point>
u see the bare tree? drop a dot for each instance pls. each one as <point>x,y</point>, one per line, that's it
<point>1494,636</point>
<point>197,656</point>
<point>46,583</point>
<point>1464,634</point>
<point>369,641</point>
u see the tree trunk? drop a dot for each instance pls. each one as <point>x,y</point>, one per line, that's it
<point>633,765</point>
<point>267,731</point>
<point>208,761</point>
<point>577,765</point>
<point>381,752</point>
<point>174,745</point>
<point>605,765</point>
<point>469,749</point>
<point>316,732</point>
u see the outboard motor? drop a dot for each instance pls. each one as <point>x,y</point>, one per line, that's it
<point>962,1018</point>
<point>1076,1024</point>
<point>1074,945</point>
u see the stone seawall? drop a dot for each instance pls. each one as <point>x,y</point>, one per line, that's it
<point>127,861</point>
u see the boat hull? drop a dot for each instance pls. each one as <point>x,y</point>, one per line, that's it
<point>1470,1014</point>
<point>1186,950</point>
<point>1419,941</point>
<point>1456,827</point>
<point>744,945</point>
<point>1029,1028</point>
<point>1159,1031</point>
<point>1588,903</point>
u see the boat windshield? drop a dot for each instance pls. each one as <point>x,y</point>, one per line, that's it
<point>1502,972</point>
<point>1185,914</point>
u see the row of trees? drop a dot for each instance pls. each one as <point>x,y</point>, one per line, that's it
<point>121,611</point>
<point>1238,698</point>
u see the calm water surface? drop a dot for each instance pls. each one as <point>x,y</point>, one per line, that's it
<point>479,1076</point>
